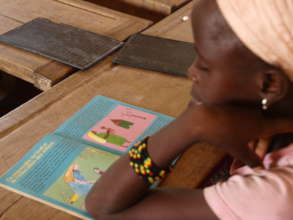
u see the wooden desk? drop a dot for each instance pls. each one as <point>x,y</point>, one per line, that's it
<point>174,27</point>
<point>151,9</point>
<point>42,115</point>
<point>43,72</point>
<point>146,89</point>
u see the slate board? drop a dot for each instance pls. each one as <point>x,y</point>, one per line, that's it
<point>61,42</point>
<point>157,54</point>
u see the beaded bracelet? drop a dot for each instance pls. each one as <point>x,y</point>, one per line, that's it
<point>143,165</point>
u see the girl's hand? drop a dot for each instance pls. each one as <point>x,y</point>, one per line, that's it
<point>260,147</point>
<point>231,128</point>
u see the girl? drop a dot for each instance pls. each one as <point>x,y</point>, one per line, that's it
<point>241,78</point>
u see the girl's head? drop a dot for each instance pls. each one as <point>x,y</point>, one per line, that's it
<point>227,70</point>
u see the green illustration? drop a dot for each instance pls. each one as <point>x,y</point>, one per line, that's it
<point>122,123</point>
<point>72,187</point>
<point>108,137</point>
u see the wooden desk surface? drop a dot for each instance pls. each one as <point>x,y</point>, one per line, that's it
<point>21,129</point>
<point>174,27</point>
<point>151,90</point>
<point>41,71</point>
<point>162,7</point>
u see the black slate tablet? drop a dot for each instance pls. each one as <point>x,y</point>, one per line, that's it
<point>64,43</point>
<point>157,54</point>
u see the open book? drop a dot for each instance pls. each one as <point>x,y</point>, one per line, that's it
<point>62,167</point>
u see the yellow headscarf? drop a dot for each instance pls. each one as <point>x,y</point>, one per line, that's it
<point>265,27</point>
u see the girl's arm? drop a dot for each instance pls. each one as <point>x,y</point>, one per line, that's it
<point>121,194</point>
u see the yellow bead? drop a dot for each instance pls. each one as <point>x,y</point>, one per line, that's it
<point>162,173</point>
<point>157,178</point>
<point>150,179</point>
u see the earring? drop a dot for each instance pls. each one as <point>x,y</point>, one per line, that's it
<point>264,103</point>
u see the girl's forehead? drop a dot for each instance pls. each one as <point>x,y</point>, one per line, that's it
<point>216,41</point>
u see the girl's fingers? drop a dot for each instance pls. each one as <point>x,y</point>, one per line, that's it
<point>252,145</point>
<point>262,147</point>
<point>236,164</point>
<point>246,156</point>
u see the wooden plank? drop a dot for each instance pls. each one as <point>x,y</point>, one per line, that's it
<point>165,7</point>
<point>26,209</point>
<point>30,109</point>
<point>7,200</point>
<point>15,61</point>
<point>194,166</point>
<point>125,25</point>
<point>99,20</point>
<point>175,26</point>
<point>38,70</point>
<point>150,9</point>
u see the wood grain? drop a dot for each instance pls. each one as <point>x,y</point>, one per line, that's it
<point>173,26</point>
<point>38,70</point>
<point>162,7</point>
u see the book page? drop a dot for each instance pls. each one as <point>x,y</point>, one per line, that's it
<point>114,125</point>
<point>59,172</point>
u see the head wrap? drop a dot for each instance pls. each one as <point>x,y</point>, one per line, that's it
<point>265,27</point>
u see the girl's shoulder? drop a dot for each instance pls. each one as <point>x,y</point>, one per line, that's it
<point>261,193</point>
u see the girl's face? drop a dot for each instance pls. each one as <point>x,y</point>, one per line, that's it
<point>224,71</point>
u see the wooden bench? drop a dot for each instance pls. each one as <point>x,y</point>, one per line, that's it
<point>152,90</point>
<point>43,72</point>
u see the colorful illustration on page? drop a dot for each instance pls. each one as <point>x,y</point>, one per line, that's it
<point>72,187</point>
<point>120,128</point>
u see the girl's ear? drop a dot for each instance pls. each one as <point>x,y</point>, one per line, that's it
<point>274,85</point>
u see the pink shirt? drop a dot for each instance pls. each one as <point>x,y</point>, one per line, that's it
<point>256,194</point>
